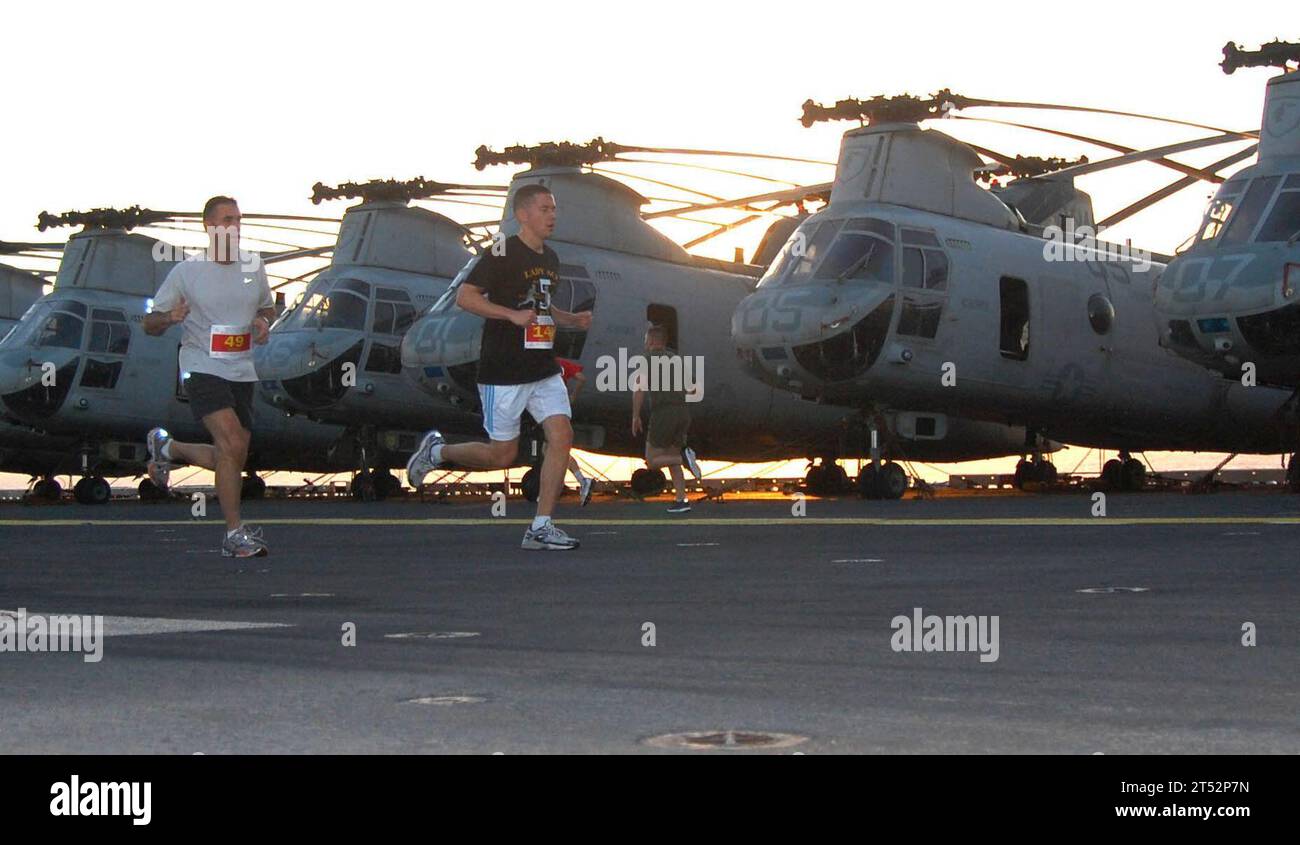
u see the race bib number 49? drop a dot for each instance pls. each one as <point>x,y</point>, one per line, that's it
<point>230,342</point>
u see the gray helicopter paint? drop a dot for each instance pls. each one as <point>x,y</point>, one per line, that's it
<point>385,244</point>
<point>1211,285</point>
<point>1119,390</point>
<point>145,393</point>
<point>739,419</point>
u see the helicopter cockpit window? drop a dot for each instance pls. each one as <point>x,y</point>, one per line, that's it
<point>1243,223</point>
<point>448,299</point>
<point>778,266</point>
<point>858,255</point>
<point>62,329</point>
<point>1283,221</point>
<point>394,312</point>
<point>343,307</point>
<point>1221,209</point>
<point>813,251</point>
<point>29,326</point>
<point>109,332</point>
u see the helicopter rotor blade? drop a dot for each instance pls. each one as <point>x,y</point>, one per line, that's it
<point>1173,188</point>
<point>706,168</point>
<point>1147,155</point>
<point>789,195</point>
<point>971,102</point>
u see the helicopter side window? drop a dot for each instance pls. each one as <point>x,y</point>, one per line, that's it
<point>1284,220</point>
<point>925,268</point>
<point>62,330</point>
<point>109,332</point>
<point>920,317</point>
<point>393,312</point>
<point>857,255</point>
<point>814,251</point>
<point>1243,223</point>
<point>1221,209</point>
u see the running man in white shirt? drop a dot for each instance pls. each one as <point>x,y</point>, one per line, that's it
<point>223,302</point>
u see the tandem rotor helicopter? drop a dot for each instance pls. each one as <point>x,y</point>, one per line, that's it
<point>335,355</point>
<point>79,366</point>
<point>1232,296</point>
<point>629,274</point>
<point>914,287</point>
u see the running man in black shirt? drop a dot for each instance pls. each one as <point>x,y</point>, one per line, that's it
<point>517,370</point>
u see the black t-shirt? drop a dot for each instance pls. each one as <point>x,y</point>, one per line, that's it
<point>519,279</point>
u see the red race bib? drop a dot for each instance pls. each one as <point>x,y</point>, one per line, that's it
<point>230,342</point>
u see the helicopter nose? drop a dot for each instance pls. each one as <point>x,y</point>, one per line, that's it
<point>34,386</point>
<point>795,316</point>
<point>294,354</point>
<point>23,368</point>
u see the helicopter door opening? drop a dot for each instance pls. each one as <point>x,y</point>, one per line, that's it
<point>665,316</point>
<point>1014,341</point>
<point>574,292</point>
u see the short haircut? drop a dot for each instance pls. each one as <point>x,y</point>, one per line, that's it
<point>211,205</point>
<point>525,195</point>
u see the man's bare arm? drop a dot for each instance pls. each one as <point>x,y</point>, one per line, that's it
<point>473,299</point>
<point>571,319</point>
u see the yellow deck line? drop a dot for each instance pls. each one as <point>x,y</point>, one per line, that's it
<point>740,522</point>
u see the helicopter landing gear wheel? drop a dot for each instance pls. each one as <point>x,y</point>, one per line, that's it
<point>150,492</point>
<point>1112,475</point>
<point>531,484</point>
<point>92,491</point>
<point>648,482</point>
<point>252,487</point>
<point>1134,475</point>
<point>886,481</point>
<point>48,490</point>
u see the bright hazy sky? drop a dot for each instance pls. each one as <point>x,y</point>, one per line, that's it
<point>164,104</point>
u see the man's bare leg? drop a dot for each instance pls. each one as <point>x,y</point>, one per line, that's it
<point>194,454</point>
<point>495,454</point>
<point>230,452</point>
<point>555,462</point>
<point>657,458</point>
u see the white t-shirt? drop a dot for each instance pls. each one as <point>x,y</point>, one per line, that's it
<point>223,300</point>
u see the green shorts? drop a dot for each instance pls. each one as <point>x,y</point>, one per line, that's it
<point>668,427</point>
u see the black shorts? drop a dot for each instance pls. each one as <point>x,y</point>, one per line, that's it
<point>209,394</point>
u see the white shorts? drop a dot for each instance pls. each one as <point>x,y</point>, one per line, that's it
<point>504,404</point>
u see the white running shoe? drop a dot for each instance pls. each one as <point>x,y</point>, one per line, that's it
<point>245,542</point>
<point>421,462</point>
<point>584,490</point>
<point>159,468</point>
<point>548,537</point>
<point>688,459</point>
